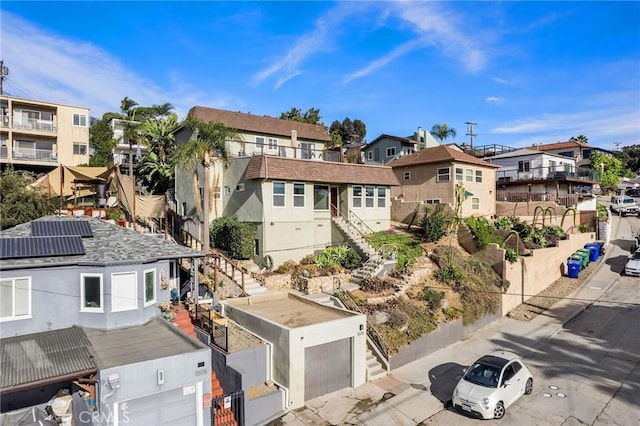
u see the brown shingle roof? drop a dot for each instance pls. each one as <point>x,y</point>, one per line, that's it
<point>271,167</point>
<point>261,124</point>
<point>438,154</point>
<point>560,145</point>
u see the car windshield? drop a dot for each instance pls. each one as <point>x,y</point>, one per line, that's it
<point>483,375</point>
<point>636,255</point>
<point>629,201</point>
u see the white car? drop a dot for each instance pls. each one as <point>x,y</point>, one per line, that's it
<point>491,384</point>
<point>632,267</point>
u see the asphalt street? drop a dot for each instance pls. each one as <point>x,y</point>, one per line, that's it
<point>584,354</point>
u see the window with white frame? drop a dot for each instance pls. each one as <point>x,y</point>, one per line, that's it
<point>459,173</point>
<point>15,298</point>
<point>321,197</point>
<point>124,291</point>
<point>469,175</point>
<point>444,175</point>
<point>298,195</point>
<point>432,201</point>
<point>278,194</point>
<point>391,151</point>
<point>273,144</point>
<point>370,155</point>
<point>91,295</point>
<point>407,175</point>
<point>149,286</point>
<point>382,196</point>
<point>357,196</point>
<point>475,203</point>
<point>79,148</point>
<point>216,193</point>
<point>259,142</point>
<point>368,196</point>
<point>479,176</point>
<point>80,120</point>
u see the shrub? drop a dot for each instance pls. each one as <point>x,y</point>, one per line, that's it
<point>376,284</point>
<point>308,260</point>
<point>285,267</point>
<point>352,260</point>
<point>237,238</point>
<point>451,313</point>
<point>510,255</point>
<point>434,224</point>
<point>433,298</point>
<point>504,222</point>
<point>484,232</point>
<point>397,318</point>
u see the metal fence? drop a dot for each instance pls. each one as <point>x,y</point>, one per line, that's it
<point>228,410</point>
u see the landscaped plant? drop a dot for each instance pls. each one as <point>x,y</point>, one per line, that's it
<point>484,232</point>
<point>285,267</point>
<point>504,222</point>
<point>603,213</point>
<point>435,222</point>
<point>477,283</point>
<point>336,258</point>
<point>377,285</point>
<point>408,247</point>
<point>511,255</point>
<point>237,238</point>
<point>433,298</point>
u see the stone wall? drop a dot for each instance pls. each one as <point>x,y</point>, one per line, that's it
<point>315,285</point>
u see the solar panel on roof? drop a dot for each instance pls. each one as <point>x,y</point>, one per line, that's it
<point>21,247</point>
<point>49,228</point>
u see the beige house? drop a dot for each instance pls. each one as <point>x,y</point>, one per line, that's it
<point>295,203</point>
<point>429,176</point>
<point>128,151</point>
<point>39,136</point>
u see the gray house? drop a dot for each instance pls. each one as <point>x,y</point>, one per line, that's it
<point>386,148</point>
<point>80,321</point>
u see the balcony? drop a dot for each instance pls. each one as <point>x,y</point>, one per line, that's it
<point>4,120</point>
<point>250,149</point>
<point>551,173</point>
<point>32,124</point>
<point>24,154</point>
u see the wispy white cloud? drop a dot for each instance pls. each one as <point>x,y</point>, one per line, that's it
<point>435,28</point>
<point>316,41</point>
<point>494,100</point>
<point>382,61</point>
<point>445,31</point>
<point>49,67</point>
<point>500,80</point>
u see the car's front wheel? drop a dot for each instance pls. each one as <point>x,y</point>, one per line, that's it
<point>499,411</point>
<point>528,388</point>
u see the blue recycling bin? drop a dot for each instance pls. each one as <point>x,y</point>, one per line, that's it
<point>595,251</point>
<point>573,268</point>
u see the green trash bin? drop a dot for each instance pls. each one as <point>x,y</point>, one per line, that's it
<point>587,253</point>
<point>582,257</point>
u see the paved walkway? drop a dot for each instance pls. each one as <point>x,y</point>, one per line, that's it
<point>420,389</point>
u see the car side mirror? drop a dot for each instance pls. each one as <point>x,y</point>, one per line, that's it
<point>507,383</point>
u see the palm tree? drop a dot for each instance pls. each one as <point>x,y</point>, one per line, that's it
<point>156,175</point>
<point>206,148</point>
<point>443,132</point>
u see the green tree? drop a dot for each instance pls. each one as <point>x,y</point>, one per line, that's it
<point>630,157</point>
<point>101,142</point>
<point>207,148</point>
<point>20,202</point>
<point>580,138</point>
<point>610,169</point>
<point>442,132</point>
<point>311,116</point>
<point>156,170</point>
<point>347,131</point>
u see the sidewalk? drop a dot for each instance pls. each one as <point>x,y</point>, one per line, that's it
<point>420,389</point>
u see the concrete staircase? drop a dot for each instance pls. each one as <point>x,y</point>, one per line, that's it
<point>251,286</point>
<point>375,370</point>
<point>374,263</point>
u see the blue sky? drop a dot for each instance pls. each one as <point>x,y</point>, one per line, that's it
<point>526,72</point>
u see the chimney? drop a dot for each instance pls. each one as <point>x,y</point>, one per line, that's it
<point>294,138</point>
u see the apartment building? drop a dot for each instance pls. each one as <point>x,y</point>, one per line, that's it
<point>39,136</point>
<point>128,150</point>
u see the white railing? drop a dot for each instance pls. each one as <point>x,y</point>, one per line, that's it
<point>49,126</point>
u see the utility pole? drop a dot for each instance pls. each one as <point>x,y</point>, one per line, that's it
<point>470,133</point>
<point>4,71</point>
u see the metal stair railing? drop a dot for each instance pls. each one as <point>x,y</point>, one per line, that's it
<point>382,348</point>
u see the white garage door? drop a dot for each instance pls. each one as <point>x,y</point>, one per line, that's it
<point>327,368</point>
<point>173,407</point>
